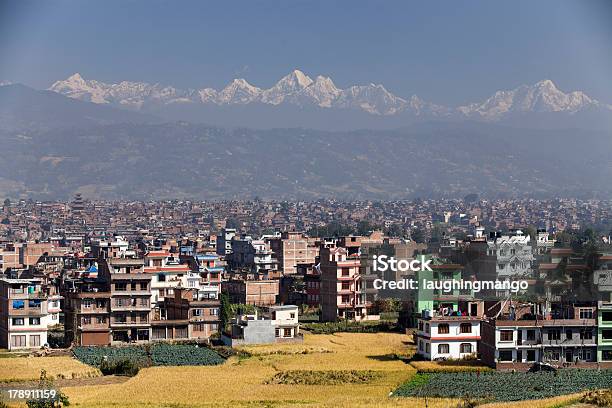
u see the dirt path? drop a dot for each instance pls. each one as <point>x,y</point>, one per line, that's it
<point>68,382</point>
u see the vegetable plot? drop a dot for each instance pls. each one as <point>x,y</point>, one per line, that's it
<point>181,355</point>
<point>504,386</point>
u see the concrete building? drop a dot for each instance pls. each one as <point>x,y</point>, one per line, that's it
<point>130,302</point>
<point>447,337</point>
<point>23,314</point>
<point>342,287</point>
<point>224,241</point>
<point>189,314</point>
<point>293,249</point>
<point>281,325</point>
<point>519,343</point>
<point>604,332</point>
<point>252,292</point>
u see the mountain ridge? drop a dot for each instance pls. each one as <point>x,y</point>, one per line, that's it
<point>300,90</point>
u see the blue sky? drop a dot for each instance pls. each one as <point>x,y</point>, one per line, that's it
<point>449,52</point>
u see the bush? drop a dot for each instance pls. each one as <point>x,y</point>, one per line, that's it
<point>349,326</point>
<point>601,398</point>
<point>306,377</point>
<point>125,367</point>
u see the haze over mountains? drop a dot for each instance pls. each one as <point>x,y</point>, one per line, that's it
<point>52,146</point>
<point>299,100</point>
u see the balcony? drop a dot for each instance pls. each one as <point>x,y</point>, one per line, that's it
<point>36,295</point>
<point>129,307</point>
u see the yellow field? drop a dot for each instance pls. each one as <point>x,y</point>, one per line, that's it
<point>23,368</point>
<point>241,382</point>
<point>441,367</point>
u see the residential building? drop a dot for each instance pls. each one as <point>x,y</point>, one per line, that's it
<point>342,288</point>
<point>252,292</point>
<point>447,337</point>
<point>23,314</point>
<point>604,332</point>
<point>281,325</point>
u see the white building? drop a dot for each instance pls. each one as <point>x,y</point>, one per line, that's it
<point>448,337</point>
<point>24,318</point>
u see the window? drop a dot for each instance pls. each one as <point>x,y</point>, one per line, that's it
<point>86,320</point>
<point>420,325</point>
<point>287,332</point>
<point>606,316</point>
<point>345,299</point>
<point>292,315</point>
<point>554,334</point>
<point>18,304</point>
<point>100,319</point>
<point>506,335</point>
<point>35,340</point>
<point>443,348</point>
<point>214,312</point>
<point>531,355</point>
<point>584,354</point>
<point>276,332</point>
<point>345,271</point>
<point>161,277</point>
<point>568,334</point>
<point>34,321</point>
<point>465,348</point>
<point>443,328</point>
<point>87,303</point>
<point>18,321</point>
<point>133,286</point>
<point>606,334</point>
<point>120,286</point>
<point>420,345</point>
<point>530,334</point>
<point>143,286</point>
<point>505,355</point>
<point>586,313</point>
<point>466,327</point>
<point>197,312</point>
<point>606,355</point>
<point>586,334</point>
<point>18,341</point>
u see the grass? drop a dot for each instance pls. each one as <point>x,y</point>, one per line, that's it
<point>28,368</point>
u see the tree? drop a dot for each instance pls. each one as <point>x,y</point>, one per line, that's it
<point>225,310</point>
<point>417,235</point>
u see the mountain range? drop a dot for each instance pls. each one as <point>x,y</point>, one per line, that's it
<point>298,90</point>
<point>52,146</point>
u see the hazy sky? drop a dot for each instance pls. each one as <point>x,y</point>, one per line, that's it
<point>448,52</point>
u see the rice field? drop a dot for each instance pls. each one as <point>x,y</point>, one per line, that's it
<point>28,368</point>
<point>261,380</point>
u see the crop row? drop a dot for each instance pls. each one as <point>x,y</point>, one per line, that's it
<point>504,386</point>
<point>141,356</point>
<point>179,355</point>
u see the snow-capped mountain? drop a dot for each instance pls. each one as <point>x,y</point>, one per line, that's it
<point>298,89</point>
<point>543,96</point>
